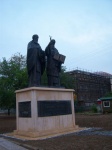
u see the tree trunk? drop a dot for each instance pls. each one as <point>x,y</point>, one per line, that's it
<point>8,111</point>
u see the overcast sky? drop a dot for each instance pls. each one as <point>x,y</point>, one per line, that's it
<point>82,30</point>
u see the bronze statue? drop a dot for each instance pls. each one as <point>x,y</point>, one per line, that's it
<point>53,64</point>
<point>35,62</point>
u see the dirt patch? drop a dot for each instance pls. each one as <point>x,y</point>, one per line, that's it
<point>102,121</point>
<point>71,141</point>
<point>7,124</point>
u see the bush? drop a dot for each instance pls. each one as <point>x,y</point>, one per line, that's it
<point>94,109</point>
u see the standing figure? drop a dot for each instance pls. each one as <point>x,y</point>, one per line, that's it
<point>35,62</point>
<point>53,65</point>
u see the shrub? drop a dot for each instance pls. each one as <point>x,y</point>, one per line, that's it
<point>94,108</point>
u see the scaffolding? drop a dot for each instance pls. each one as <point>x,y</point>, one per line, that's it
<point>90,86</point>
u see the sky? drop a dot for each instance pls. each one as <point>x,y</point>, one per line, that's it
<point>82,30</point>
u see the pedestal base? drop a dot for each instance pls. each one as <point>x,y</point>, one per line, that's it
<point>44,112</point>
<point>46,134</point>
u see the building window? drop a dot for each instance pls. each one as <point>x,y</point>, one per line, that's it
<point>106,103</point>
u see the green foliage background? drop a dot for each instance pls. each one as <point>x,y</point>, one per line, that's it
<point>13,76</point>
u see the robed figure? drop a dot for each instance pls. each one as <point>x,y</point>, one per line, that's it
<point>35,62</point>
<point>53,66</point>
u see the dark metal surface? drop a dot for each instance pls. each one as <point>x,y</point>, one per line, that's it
<point>35,62</point>
<point>54,62</point>
<point>53,108</point>
<point>25,109</point>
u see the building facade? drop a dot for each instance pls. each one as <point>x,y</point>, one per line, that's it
<point>90,86</point>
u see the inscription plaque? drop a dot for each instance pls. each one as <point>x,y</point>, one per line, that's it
<point>53,108</point>
<point>25,109</point>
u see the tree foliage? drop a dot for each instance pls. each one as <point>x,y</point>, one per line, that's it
<point>108,94</point>
<point>13,76</point>
<point>66,79</point>
<point>44,79</point>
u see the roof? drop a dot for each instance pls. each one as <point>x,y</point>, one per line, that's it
<point>105,98</point>
<point>104,74</point>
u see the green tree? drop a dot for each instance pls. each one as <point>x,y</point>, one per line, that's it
<point>13,76</point>
<point>44,79</point>
<point>66,79</point>
<point>108,94</point>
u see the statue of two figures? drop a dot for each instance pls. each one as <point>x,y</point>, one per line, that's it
<point>39,60</point>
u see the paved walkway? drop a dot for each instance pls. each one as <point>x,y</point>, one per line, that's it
<point>94,131</point>
<point>7,145</point>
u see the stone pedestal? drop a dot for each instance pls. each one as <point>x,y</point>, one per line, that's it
<point>44,112</point>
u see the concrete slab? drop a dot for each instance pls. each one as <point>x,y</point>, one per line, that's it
<point>25,138</point>
<point>7,145</point>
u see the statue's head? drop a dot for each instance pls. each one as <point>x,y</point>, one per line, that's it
<point>53,41</point>
<point>35,37</point>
